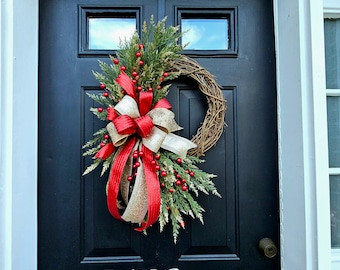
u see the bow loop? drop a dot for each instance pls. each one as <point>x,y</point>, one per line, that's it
<point>125,124</point>
<point>144,125</point>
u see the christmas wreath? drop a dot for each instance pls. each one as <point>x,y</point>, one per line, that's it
<point>153,172</point>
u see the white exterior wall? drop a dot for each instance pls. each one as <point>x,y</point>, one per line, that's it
<point>18,133</point>
<point>304,196</point>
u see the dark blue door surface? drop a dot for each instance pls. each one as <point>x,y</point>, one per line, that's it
<point>76,230</point>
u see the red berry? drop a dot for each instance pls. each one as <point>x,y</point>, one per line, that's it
<point>192,174</point>
<point>123,92</point>
<point>102,86</point>
<point>135,155</point>
<point>129,178</point>
<point>102,144</point>
<point>171,190</point>
<point>100,109</point>
<point>153,162</point>
<point>137,164</point>
<point>164,173</point>
<point>161,79</point>
<point>138,54</point>
<point>141,63</point>
<point>105,94</point>
<point>157,156</point>
<point>123,68</point>
<point>178,176</point>
<point>159,87</point>
<point>141,153</point>
<point>179,161</point>
<point>134,73</point>
<point>162,185</point>
<point>139,88</point>
<point>137,77</point>
<point>165,74</point>
<point>184,188</point>
<point>183,181</point>
<point>116,61</point>
<point>157,167</point>
<point>140,46</point>
<point>106,136</point>
<point>178,182</point>
<point>134,81</point>
<point>150,89</point>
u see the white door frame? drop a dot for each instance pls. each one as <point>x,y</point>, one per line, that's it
<point>303,166</point>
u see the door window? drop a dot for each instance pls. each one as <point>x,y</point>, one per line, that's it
<point>107,33</point>
<point>209,31</point>
<point>102,29</point>
<point>205,34</point>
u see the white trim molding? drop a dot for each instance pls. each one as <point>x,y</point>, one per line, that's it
<point>331,8</point>
<point>303,156</point>
<point>18,134</point>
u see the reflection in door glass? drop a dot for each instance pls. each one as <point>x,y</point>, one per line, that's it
<point>205,34</point>
<point>106,33</point>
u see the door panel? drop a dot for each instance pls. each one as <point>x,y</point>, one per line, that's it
<point>76,230</point>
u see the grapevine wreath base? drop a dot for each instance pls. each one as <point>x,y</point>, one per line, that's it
<point>153,172</point>
<point>212,126</point>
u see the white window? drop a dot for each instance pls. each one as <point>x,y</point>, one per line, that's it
<point>332,61</point>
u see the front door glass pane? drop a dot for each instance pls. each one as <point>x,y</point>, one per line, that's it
<point>107,33</point>
<point>205,34</point>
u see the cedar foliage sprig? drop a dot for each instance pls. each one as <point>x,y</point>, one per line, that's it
<point>175,200</point>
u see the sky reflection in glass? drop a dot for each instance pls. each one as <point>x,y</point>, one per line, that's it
<point>205,34</point>
<point>106,33</point>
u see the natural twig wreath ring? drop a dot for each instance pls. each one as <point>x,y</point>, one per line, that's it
<point>212,126</point>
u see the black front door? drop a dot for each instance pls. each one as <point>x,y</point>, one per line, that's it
<point>76,230</point>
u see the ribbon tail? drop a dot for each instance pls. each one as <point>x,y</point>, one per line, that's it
<point>126,83</point>
<point>153,188</point>
<point>138,203</point>
<point>105,151</point>
<point>113,184</point>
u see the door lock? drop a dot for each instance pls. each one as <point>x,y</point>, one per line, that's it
<point>267,247</point>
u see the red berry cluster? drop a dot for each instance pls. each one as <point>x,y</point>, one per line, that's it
<point>104,142</point>
<point>155,163</point>
<point>135,74</point>
<point>180,182</point>
<point>135,164</point>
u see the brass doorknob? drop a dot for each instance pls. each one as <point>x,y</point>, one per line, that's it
<point>267,247</point>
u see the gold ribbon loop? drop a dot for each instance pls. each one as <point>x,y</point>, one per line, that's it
<point>116,138</point>
<point>128,106</point>
<point>155,139</point>
<point>177,144</point>
<point>164,118</point>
